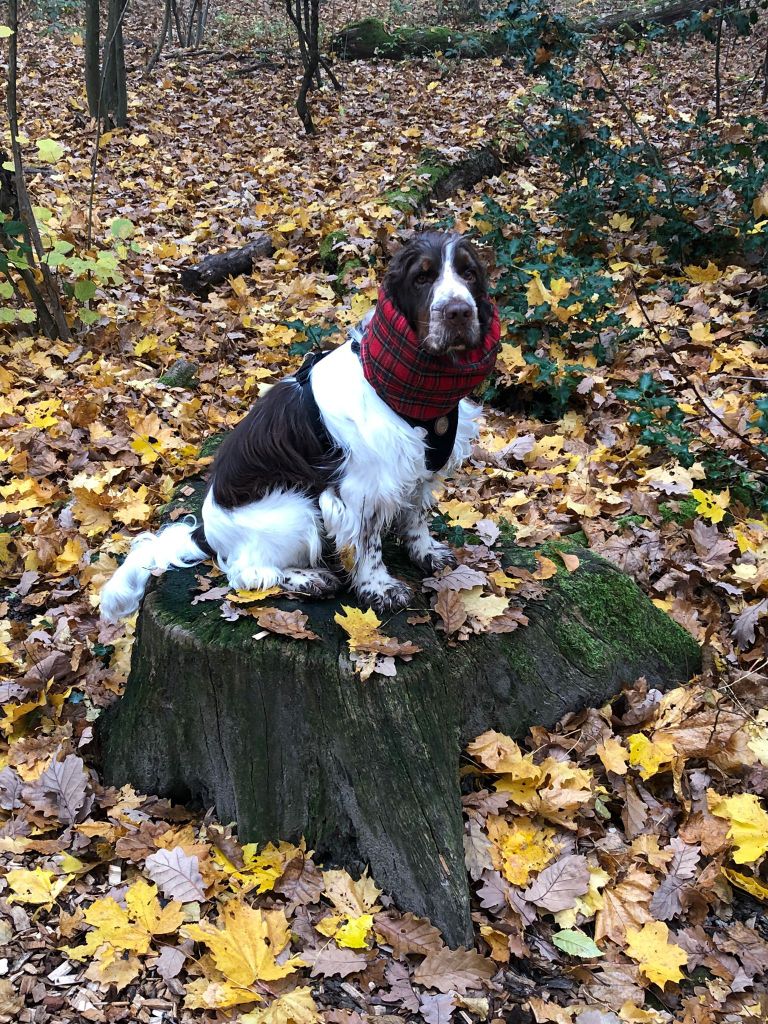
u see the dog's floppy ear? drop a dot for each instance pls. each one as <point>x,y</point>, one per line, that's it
<point>480,286</point>
<point>395,276</point>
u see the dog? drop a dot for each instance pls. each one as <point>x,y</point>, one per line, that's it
<point>349,446</point>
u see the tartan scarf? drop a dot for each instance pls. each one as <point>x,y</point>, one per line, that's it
<point>416,384</point>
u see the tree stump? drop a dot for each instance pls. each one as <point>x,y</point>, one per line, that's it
<point>281,735</point>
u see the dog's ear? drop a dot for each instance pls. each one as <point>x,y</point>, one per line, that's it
<point>395,276</point>
<point>479,287</point>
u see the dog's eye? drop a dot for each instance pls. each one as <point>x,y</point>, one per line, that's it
<point>422,279</point>
<point>469,274</point>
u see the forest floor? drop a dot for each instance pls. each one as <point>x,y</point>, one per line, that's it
<point>116,906</point>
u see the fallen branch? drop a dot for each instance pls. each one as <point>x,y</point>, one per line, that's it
<point>217,268</point>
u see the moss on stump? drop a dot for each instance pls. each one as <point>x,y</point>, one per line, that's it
<point>281,736</point>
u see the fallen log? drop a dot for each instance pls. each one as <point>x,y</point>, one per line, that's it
<point>201,277</point>
<point>638,18</point>
<point>369,38</point>
<point>282,736</point>
<point>435,178</point>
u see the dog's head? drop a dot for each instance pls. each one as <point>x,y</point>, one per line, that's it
<point>440,285</point>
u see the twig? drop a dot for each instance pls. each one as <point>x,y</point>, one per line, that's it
<point>692,384</point>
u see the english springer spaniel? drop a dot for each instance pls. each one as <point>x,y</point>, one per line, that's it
<point>349,446</point>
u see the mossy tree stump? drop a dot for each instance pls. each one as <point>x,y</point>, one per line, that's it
<point>282,736</point>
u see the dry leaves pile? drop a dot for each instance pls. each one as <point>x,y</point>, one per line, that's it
<point>619,863</point>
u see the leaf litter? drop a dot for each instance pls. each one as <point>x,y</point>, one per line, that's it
<point>618,861</point>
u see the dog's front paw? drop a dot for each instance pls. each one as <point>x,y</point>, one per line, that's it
<point>311,582</point>
<point>439,556</point>
<point>388,598</point>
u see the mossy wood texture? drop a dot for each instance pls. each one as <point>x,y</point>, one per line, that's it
<point>281,736</point>
<point>370,37</point>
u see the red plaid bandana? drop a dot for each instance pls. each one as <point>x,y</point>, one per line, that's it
<point>414,383</point>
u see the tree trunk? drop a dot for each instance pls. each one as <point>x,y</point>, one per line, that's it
<point>281,736</point>
<point>113,87</point>
<point>92,63</point>
<point>47,299</point>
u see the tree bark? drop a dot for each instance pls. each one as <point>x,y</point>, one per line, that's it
<point>92,62</point>
<point>47,300</point>
<point>281,736</point>
<point>201,277</point>
<point>113,87</point>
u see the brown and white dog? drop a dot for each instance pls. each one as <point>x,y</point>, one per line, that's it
<point>351,445</point>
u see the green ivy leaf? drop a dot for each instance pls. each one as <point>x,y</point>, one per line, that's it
<point>87,316</point>
<point>26,316</point>
<point>6,290</point>
<point>576,943</point>
<point>49,150</point>
<point>7,316</point>
<point>5,32</point>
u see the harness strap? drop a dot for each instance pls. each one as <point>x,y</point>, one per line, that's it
<point>303,377</point>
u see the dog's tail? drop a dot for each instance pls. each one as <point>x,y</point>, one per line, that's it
<point>171,548</point>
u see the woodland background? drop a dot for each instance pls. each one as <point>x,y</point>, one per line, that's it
<point>619,861</point>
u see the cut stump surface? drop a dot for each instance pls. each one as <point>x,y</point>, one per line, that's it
<point>282,737</point>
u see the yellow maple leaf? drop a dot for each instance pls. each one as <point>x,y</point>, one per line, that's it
<point>750,885</point>
<point>712,506</point>
<point>132,507</point>
<point>650,756</point>
<point>297,1007</point>
<point>498,753</point>
<point>245,946</point>
<point>748,824</point>
<point>460,513</point>
<point>702,334</point>
<point>353,934</point>
<point>262,870</point>
<point>621,222</point>
<point>113,970</point>
<point>359,626</point>
<point>350,932</point>
<point>41,414</point>
<point>251,596</point>
<point>659,959</point>
<point>703,275</point>
<point>482,607</point>
<point>520,848</point>
<point>113,931</point>
<point>208,994</point>
<point>145,909</point>
<point>6,654</point>
<point>92,512</point>
<point>37,886</point>
<point>153,438</point>
<point>69,558</point>
<point>351,897</point>
<point>537,294</point>
<point>613,755</point>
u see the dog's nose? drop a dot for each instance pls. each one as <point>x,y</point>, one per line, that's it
<point>457,310</point>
